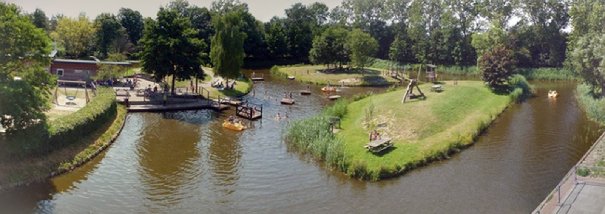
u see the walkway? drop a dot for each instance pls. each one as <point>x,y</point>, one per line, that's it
<point>580,194</point>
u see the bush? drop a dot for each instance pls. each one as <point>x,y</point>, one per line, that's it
<point>548,74</point>
<point>583,172</point>
<point>275,72</point>
<point>497,66</point>
<point>520,87</point>
<point>594,107</point>
<point>70,128</point>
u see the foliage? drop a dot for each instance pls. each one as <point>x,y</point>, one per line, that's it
<point>109,71</point>
<point>171,48</point>
<point>495,36</point>
<point>75,37</point>
<point>497,66</point>
<point>586,18</point>
<point>314,136</point>
<point>594,107</point>
<point>24,81</point>
<point>133,23</point>
<point>109,33</point>
<point>362,47</point>
<point>227,51</point>
<point>40,19</point>
<point>329,48</point>
<point>276,38</point>
<point>70,128</point>
<point>587,60</point>
<point>521,89</point>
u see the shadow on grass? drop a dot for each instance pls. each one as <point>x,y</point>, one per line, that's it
<point>384,152</point>
<point>350,71</point>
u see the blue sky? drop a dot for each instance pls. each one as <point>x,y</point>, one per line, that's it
<point>261,9</point>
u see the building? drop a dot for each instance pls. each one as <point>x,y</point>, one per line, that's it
<point>79,70</point>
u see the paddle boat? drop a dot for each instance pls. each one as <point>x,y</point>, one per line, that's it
<point>235,126</point>
<point>553,94</point>
<point>287,101</point>
<point>328,89</point>
<point>291,77</point>
<point>334,97</point>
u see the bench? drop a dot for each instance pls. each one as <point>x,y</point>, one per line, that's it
<point>379,145</point>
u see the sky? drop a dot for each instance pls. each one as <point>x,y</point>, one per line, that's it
<point>261,9</point>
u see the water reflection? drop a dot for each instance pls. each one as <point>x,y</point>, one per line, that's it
<point>168,155</point>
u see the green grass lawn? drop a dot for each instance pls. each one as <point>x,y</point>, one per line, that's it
<point>318,74</point>
<point>242,87</point>
<point>422,130</point>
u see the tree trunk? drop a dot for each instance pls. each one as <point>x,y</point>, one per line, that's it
<point>173,81</point>
<point>196,87</point>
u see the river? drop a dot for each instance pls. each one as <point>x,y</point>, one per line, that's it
<point>185,162</point>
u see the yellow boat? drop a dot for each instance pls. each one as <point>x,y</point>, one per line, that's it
<point>328,89</point>
<point>234,126</point>
<point>553,94</point>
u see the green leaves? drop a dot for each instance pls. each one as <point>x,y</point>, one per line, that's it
<point>363,48</point>
<point>227,49</point>
<point>497,66</point>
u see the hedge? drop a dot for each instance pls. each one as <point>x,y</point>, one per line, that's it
<point>71,128</point>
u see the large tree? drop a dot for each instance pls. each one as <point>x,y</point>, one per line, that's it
<point>363,47</point>
<point>300,23</point>
<point>40,19</point>
<point>588,59</point>
<point>24,81</point>
<point>171,47</point>
<point>227,51</point>
<point>276,38</point>
<point>108,33</point>
<point>75,37</point>
<point>330,48</point>
<point>133,22</point>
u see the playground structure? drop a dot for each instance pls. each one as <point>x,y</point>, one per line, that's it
<point>409,92</point>
<point>71,99</point>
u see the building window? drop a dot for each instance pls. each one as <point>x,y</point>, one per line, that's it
<point>60,72</point>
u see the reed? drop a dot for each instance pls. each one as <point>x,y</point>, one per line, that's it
<point>593,105</point>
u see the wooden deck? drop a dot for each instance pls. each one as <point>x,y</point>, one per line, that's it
<point>287,101</point>
<point>249,111</point>
<point>177,107</point>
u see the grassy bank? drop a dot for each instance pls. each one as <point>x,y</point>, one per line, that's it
<point>319,74</point>
<point>23,169</point>
<point>594,107</point>
<point>421,130</point>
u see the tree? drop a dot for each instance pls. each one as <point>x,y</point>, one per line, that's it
<point>299,26</point>
<point>201,20</point>
<point>587,59</point>
<point>330,47</point>
<point>401,49</point>
<point>24,81</point>
<point>40,19</point>
<point>227,51</point>
<point>108,32</point>
<point>483,42</point>
<point>171,47</point>
<point>363,48</point>
<point>74,37</point>
<point>132,21</point>
<point>276,38</point>
<point>497,65</point>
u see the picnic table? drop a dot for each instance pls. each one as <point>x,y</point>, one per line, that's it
<point>437,88</point>
<point>379,145</point>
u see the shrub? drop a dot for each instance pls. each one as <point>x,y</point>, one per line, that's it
<point>594,107</point>
<point>583,172</point>
<point>520,87</point>
<point>70,128</point>
<point>276,72</point>
<point>497,66</point>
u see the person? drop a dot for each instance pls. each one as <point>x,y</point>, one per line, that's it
<point>126,102</point>
<point>165,98</point>
<point>231,119</point>
<point>290,95</point>
<point>155,89</point>
<point>278,116</point>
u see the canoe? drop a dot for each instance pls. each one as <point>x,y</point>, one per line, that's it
<point>287,101</point>
<point>334,97</point>
<point>328,88</point>
<point>234,126</point>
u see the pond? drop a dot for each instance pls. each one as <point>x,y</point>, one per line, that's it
<point>187,162</point>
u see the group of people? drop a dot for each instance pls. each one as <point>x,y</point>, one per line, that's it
<point>374,135</point>
<point>221,85</point>
<point>233,120</point>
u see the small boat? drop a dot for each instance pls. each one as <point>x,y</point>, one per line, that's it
<point>305,92</point>
<point>287,101</point>
<point>237,126</point>
<point>328,89</point>
<point>291,77</point>
<point>553,94</point>
<point>334,97</point>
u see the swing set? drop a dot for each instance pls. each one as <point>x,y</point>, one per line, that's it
<point>71,97</point>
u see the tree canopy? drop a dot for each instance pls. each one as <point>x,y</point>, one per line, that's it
<point>75,37</point>
<point>227,51</point>
<point>497,65</point>
<point>171,47</point>
<point>24,81</point>
<point>363,48</point>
